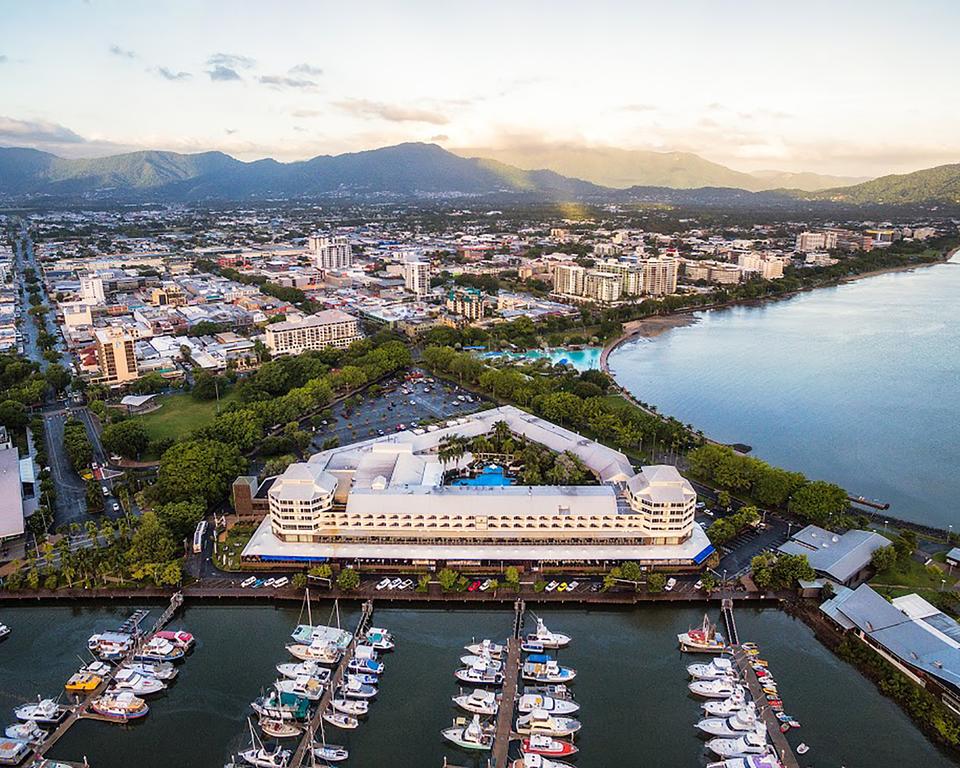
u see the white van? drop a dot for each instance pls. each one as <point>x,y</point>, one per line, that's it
<point>281,582</point>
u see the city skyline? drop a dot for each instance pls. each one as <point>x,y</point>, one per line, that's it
<point>795,90</point>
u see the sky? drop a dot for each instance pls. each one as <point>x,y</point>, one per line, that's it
<point>846,87</point>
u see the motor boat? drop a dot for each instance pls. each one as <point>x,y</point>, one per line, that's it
<point>363,678</point>
<point>340,720</point>
<point>82,682</point>
<point>161,670</point>
<point>469,735</point>
<point>4,631</point>
<point>702,639</point>
<point>486,648</point>
<point>470,659</point>
<point>750,761</point>
<point>529,702</point>
<point>716,669</point>
<point>309,668</point>
<point>99,668</point>
<point>547,638</point>
<point>119,706</point>
<point>540,744</point>
<point>159,650</point>
<point>352,688</point>
<point>45,711</point>
<point>539,721</point>
<point>304,686</point>
<point>137,684</point>
<point>30,731</point>
<point>730,727</point>
<point>365,666</point>
<point>183,640</point>
<point>13,751</point>
<point>280,729</point>
<point>540,668</point>
<point>110,646</point>
<point>531,760</point>
<point>350,706</point>
<point>728,706</point>
<point>553,691</point>
<point>479,674</point>
<point>319,651</point>
<point>714,689</point>
<point>278,705</point>
<point>478,702</point>
<point>379,638</point>
<point>750,743</point>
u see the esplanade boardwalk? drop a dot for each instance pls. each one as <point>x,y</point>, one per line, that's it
<point>391,500</point>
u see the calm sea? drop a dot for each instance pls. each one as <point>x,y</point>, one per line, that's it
<point>855,384</point>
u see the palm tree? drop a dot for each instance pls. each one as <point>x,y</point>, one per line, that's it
<point>501,432</point>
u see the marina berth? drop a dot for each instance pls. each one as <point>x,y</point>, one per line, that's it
<point>140,685</point>
<point>365,666</point>
<point>380,639</point>
<point>320,651</point>
<point>331,753</point>
<point>478,702</point>
<point>183,640</point>
<point>468,660</point>
<point>352,688</point>
<point>539,744</point>
<point>110,646</point>
<point>730,727</point>
<point>539,721</point>
<point>259,756</point>
<point>119,706</point>
<point>479,674</point>
<point>82,682</point>
<point>161,670</point>
<point>528,702</point>
<point>469,735</point>
<point>751,761</point>
<point>487,648</point>
<point>98,668</point>
<point>751,743</point>
<point>560,692</point>
<point>280,729</point>
<point>726,707</point>
<point>350,707</point>
<point>159,650</point>
<point>340,720</point>
<point>278,705</point>
<point>530,760</point>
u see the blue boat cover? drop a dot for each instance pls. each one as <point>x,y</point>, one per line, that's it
<point>710,549</point>
<point>539,658</point>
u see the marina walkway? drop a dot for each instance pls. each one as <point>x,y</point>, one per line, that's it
<point>779,741</point>
<point>303,753</point>
<point>82,708</point>
<point>726,608</point>
<point>508,700</point>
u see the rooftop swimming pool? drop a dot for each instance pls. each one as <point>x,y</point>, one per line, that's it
<point>492,474</point>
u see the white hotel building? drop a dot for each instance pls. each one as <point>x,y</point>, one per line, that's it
<point>384,500</point>
<point>329,328</point>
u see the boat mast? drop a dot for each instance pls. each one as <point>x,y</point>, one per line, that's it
<point>306,597</point>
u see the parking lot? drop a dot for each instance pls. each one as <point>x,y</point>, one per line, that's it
<point>402,402</point>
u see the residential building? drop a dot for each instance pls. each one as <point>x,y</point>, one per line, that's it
<point>116,355</point>
<point>764,265</point>
<point>569,279</point>
<point>168,295</point>
<point>630,273</point>
<point>816,241</point>
<point>660,275</point>
<point>416,277</point>
<point>467,302</point>
<point>386,499</point>
<point>91,289</point>
<point>329,328</point>
<point>604,287</point>
<point>331,253</point>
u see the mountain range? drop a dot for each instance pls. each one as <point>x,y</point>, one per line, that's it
<point>625,168</point>
<point>412,170</point>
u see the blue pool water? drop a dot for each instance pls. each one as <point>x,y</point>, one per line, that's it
<point>492,474</point>
<point>582,359</point>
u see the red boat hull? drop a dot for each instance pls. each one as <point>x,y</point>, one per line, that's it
<point>562,749</point>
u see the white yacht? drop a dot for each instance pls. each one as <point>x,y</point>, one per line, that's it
<point>487,648</point>
<point>470,659</point>
<point>137,684</point>
<point>479,674</point>
<point>750,761</point>
<point>702,639</point>
<point>529,702</point>
<point>354,689</point>
<point>307,687</point>
<point>546,638</point>
<point>539,721</point>
<point>340,720</point>
<point>728,706</point>
<point>750,743</point>
<point>714,689</point>
<point>478,701</point>
<point>532,760</point>
<point>319,651</point>
<point>162,670</point>
<point>350,707</point>
<point>543,669</point>
<point>28,731</point>
<point>730,727</point>
<point>470,735</point>
<point>379,638</point>
<point>717,668</point>
<point>42,711</point>
<point>258,756</point>
<point>309,668</point>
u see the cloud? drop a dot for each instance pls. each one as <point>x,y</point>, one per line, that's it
<point>306,69</point>
<point>169,74</point>
<point>223,74</point>
<point>393,113</point>
<point>231,60</point>
<point>36,132</point>
<point>230,131</point>
<point>639,108</point>
<point>123,53</point>
<point>440,137</point>
<point>281,81</point>
<point>307,113</point>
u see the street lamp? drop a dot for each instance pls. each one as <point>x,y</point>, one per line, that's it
<point>884,526</point>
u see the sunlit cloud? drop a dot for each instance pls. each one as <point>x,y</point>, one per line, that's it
<point>281,81</point>
<point>172,75</point>
<point>394,113</point>
<point>123,53</point>
<point>306,69</point>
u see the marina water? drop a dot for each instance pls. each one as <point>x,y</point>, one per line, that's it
<point>855,384</point>
<point>631,685</point>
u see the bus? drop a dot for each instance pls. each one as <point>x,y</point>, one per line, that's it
<point>198,536</point>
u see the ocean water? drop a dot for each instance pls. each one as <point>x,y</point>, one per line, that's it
<point>856,384</point>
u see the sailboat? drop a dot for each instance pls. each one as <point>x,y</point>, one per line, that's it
<point>332,753</point>
<point>258,756</point>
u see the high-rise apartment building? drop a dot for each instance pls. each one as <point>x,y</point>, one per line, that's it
<point>117,355</point>
<point>604,287</point>
<point>331,252</point>
<point>416,277</point>
<point>91,289</point>
<point>630,273</point>
<point>569,279</point>
<point>808,242</point>
<point>660,275</point>
<point>467,302</point>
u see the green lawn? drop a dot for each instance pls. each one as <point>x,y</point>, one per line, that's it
<point>180,414</point>
<point>913,575</point>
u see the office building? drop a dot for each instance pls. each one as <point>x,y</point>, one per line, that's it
<point>91,289</point>
<point>330,328</point>
<point>116,354</point>
<point>331,253</point>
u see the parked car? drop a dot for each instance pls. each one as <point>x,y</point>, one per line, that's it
<point>671,583</point>
<point>383,583</point>
<point>699,585</point>
<point>248,582</point>
<point>116,506</point>
<point>268,582</point>
<point>486,585</point>
<point>407,584</point>
<point>474,586</point>
<point>552,586</point>
<point>281,582</point>
<point>395,584</point>
<point>572,586</point>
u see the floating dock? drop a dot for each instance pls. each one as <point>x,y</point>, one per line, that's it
<point>508,700</point>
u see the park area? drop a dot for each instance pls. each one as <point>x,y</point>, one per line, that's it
<point>179,414</point>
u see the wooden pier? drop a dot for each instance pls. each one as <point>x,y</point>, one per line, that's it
<point>304,748</point>
<point>511,675</point>
<point>784,751</point>
<point>81,710</point>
